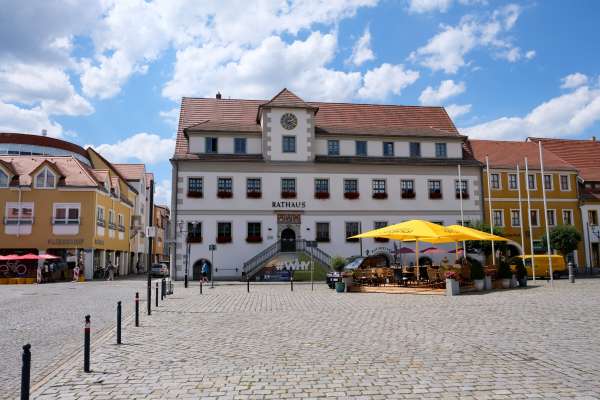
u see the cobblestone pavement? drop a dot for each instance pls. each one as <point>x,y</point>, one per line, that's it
<point>50,317</point>
<point>272,344</point>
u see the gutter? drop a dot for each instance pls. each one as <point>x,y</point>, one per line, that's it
<point>173,227</point>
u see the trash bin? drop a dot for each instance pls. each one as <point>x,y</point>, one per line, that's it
<point>340,287</point>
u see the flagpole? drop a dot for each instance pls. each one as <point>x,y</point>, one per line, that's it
<point>462,216</point>
<point>487,169</point>
<point>520,209</point>
<point>548,247</point>
<point>529,219</point>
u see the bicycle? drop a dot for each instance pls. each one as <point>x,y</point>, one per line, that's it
<point>13,266</point>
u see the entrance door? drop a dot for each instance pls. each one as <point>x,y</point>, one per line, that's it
<point>288,240</point>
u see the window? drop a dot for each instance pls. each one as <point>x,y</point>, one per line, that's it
<point>195,187</point>
<point>239,145</point>
<point>388,149</point>
<point>211,145</point>
<point>565,185</point>
<point>512,182</point>
<point>379,191</point>
<point>435,189</point>
<point>567,216</point>
<point>441,150</point>
<point>379,225</point>
<point>253,188</point>
<point>225,188</point>
<point>361,148</point>
<point>322,232</point>
<point>333,147</point>
<point>100,216</point>
<point>515,218</point>
<point>120,222</point>
<point>593,217</point>
<point>462,189</point>
<point>288,188</point>
<point>65,213</point>
<point>495,181</point>
<point>351,188</point>
<point>45,179</point>
<point>415,149</point>
<point>111,219</point>
<point>498,216</point>
<point>551,217</point>
<point>548,182</point>
<point>254,234</point>
<point>18,213</point>
<point>531,182</point>
<point>194,232</point>
<point>321,188</point>
<point>3,179</point>
<point>407,188</point>
<point>534,219</point>
<point>289,144</point>
<point>224,232</point>
<point>352,229</point>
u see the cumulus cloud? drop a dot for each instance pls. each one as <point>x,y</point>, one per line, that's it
<point>530,55</point>
<point>447,89</point>
<point>447,50</point>
<point>566,115</point>
<point>424,6</point>
<point>27,120</point>
<point>145,147</point>
<point>362,52</point>
<point>386,79</point>
<point>457,110</point>
<point>162,192</point>
<point>574,80</point>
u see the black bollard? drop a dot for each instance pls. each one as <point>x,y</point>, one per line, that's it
<point>137,309</point>
<point>118,322</point>
<point>200,285</point>
<point>248,285</point>
<point>163,289</point>
<point>156,297</point>
<point>26,372</point>
<point>292,283</point>
<point>86,344</point>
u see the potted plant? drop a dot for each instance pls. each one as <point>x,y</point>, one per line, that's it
<point>520,271</point>
<point>504,274</point>
<point>477,274</point>
<point>338,263</point>
<point>452,284</point>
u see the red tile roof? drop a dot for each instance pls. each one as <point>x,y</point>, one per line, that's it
<point>285,98</point>
<point>131,172</point>
<point>236,115</point>
<point>73,172</point>
<point>583,154</point>
<point>507,154</point>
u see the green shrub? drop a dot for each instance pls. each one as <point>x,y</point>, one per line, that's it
<point>476,269</point>
<point>504,271</point>
<point>337,263</point>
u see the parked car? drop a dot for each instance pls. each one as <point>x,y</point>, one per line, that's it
<point>354,263</point>
<point>542,265</point>
<point>160,270</point>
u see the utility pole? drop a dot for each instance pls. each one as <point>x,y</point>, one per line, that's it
<point>149,289</point>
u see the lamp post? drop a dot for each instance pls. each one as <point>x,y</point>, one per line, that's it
<point>181,225</point>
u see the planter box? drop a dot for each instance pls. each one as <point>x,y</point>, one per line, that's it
<point>223,239</point>
<point>435,195</point>
<point>254,239</point>
<point>321,195</point>
<point>452,287</point>
<point>479,284</point>
<point>487,282</point>
<point>465,196</point>
<point>408,195</point>
<point>505,283</point>
<point>195,195</point>
<point>288,195</point>
<point>194,239</point>
<point>351,195</point>
<point>380,196</point>
<point>254,195</point>
<point>381,240</point>
<point>224,195</point>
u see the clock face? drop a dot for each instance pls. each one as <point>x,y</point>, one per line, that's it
<point>289,121</point>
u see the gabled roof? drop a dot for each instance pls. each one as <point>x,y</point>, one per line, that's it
<point>583,154</point>
<point>507,154</point>
<point>51,165</point>
<point>237,115</point>
<point>111,165</point>
<point>131,172</point>
<point>72,170</point>
<point>8,167</point>
<point>287,99</point>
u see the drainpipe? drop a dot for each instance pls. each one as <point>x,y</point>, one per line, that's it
<point>174,216</point>
<point>19,213</point>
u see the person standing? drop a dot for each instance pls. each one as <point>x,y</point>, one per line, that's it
<point>204,271</point>
<point>111,271</point>
<point>76,273</point>
<point>39,274</point>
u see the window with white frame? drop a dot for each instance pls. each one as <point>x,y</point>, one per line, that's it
<point>567,216</point>
<point>498,217</point>
<point>551,217</point>
<point>66,213</point>
<point>548,182</point>
<point>45,179</point>
<point>3,179</point>
<point>515,218</point>
<point>100,216</point>
<point>531,182</point>
<point>512,182</point>
<point>111,219</point>
<point>333,147</point>
<point>495,181</point>
<point>565,185</point>
<point>441,150</point>
<point>18,213</point>
<point>120,222</point>
<point>534,218</point>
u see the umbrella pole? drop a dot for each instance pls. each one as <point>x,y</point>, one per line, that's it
<point>417,260</point>
<point>456,252</point>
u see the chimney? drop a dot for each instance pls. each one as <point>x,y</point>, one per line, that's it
<point>44,132</point>
<point>218,96</point>
<point>593,138</point>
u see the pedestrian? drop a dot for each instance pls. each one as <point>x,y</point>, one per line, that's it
<point>45,273</point>
<point>39,274</point>
<point>76,273</point>
<point>204,271</point>
<point>137,267</point>
<point>111,271</point>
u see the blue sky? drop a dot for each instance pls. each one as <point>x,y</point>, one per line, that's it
<point>111,74</point>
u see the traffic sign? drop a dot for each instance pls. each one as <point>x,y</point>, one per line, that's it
<point>212,247</point>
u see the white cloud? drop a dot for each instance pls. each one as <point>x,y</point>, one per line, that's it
<point>145,147</point>
<point>362,52</point>
<point>447,89</point>
<point>424,6</point>
<point>566,115</point>
<point>162,192</point>
<point>530,55</point>
<point>457,110</point>
<point>447,50</point>
<point>171,117</point>
<point>386,79</point>
<point>23,120</point>
<point>574,80</point>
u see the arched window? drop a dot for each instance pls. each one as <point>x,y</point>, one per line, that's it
<point>45,179</point>
<point>3,179</point>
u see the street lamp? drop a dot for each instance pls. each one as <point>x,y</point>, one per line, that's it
<point>181,225</point>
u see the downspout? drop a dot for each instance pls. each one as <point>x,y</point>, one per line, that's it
<point>174,216</point>
<point>19,213</point>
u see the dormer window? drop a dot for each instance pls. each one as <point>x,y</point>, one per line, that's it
<point>45,179</point>
<point>3,179</point>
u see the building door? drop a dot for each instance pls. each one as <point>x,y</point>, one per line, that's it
<point>595,255</point>
<point>288,240</point>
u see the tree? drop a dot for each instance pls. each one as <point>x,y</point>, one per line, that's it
<point>564,239</point>
<point>484,246</point>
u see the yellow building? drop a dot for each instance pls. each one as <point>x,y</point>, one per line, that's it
<point>160,247</point>
<point>560,181</point>
<point>59,199</point>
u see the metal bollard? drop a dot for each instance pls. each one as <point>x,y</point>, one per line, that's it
<point>118,322</point>
<point>156,297</point>
<point>86,344</point>
<point>571,273</point>
<point>292,283</point>
<point>201,286</point>
<point>163,289</point>
<point>137,309</point>
<point>248,285</point>
<point>26,372</point>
